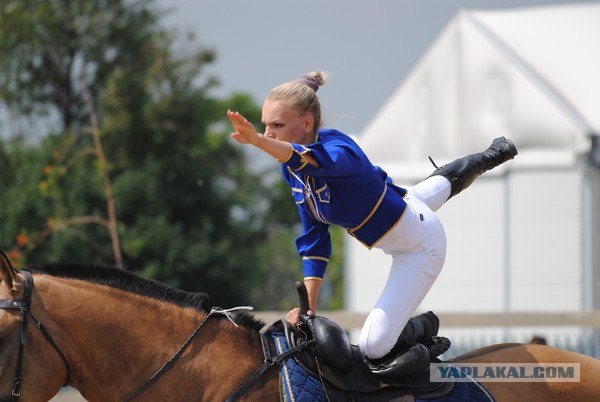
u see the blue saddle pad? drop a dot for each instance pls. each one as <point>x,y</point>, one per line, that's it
<point>296,383</point>
<point>464,392</point>
<point>300,386</point>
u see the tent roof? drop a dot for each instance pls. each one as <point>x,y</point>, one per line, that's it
<point>530,74</point>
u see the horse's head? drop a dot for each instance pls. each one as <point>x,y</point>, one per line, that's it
<point>26,360</point>
<point>10,320</point>
<point>11,288</point>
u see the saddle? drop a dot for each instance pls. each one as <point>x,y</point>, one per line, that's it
<point>325,352</point>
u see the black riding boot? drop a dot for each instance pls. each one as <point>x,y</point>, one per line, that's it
<point>408,356</point>
<point>422,327</point>
<point>462,172</point>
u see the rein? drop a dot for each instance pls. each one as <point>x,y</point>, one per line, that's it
<point>171,362</point>
<point>268,361</point>
<point>24,306</point>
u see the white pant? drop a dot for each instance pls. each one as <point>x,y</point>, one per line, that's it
<point>418,248</point>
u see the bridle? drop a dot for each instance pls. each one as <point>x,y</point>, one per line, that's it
<point>24,306</point>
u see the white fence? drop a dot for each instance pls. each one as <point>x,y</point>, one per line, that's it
<point>352,320</point>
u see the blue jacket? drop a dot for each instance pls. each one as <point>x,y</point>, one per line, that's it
<point>345,190</point>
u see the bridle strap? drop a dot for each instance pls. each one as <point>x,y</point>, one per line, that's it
<point>24,306</point>
<point>24,310</point>
<point>60,353</point>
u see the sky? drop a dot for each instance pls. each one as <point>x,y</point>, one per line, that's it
<point>367,47</point>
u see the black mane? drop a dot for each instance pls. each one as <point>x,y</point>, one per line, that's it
<point>130,282</point>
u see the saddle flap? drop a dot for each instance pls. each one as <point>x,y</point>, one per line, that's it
<point>332,342</point>
<point>414,360</point>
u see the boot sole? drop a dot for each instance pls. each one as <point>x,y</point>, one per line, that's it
<point>512,149</point>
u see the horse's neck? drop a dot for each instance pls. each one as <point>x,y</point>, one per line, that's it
<point>115,336</point>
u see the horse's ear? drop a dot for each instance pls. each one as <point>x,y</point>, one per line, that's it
<point>7,272</point>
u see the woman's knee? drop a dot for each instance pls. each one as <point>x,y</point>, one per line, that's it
<point>374,345</point>
<point>373,350</point>
<point>433,191</point>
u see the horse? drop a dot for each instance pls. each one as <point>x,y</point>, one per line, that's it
<point>112,329</point>
<point>586,389</point>
<point>115,336</point>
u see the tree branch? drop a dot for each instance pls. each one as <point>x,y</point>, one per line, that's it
<point>110,199</point>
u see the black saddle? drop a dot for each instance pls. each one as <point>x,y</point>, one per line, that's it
<point>329,356</point>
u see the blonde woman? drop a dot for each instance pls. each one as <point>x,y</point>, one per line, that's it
<point>334,183</point>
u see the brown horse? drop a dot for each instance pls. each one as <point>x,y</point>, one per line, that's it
<point>105,332</point>
<point>587,389</point>
<point>115,329</point>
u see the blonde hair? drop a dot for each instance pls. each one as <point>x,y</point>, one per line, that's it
<point>302,93</point>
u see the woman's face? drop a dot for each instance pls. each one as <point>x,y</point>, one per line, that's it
<point>283,122</point>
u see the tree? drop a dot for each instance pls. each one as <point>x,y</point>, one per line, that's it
<point>187,209</point>
<point>175,178</point>
<point>50,47</point>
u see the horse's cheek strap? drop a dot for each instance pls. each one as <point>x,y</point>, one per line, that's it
<point>24,312</point>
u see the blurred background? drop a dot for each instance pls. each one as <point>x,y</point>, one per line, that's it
<point>115,149</point>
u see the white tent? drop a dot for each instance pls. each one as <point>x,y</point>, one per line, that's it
<point>525,236</point>
<point>530,73</point>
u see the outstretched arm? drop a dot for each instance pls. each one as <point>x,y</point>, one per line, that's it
<point>245,133</point>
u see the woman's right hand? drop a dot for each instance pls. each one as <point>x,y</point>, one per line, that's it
<point>293,316</point>
<point>245,133</point>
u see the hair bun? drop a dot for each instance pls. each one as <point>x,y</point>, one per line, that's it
<point>313,79</point>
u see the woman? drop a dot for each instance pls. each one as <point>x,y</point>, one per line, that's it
<point>333,182</point>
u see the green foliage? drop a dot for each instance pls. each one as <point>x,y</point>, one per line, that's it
<point>23,205</point>
<point>50,47</point>
<point>192,209</point>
